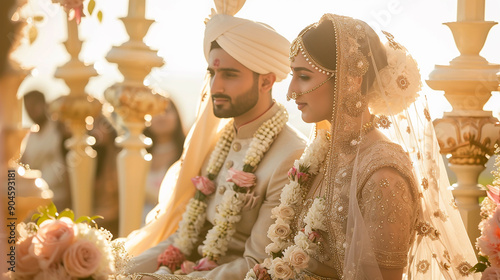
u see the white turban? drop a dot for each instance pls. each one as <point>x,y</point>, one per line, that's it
<point>255,45</point>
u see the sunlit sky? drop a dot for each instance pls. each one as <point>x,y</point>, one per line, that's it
<point>177,34</point>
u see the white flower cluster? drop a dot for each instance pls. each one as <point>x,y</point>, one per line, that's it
<point>316,218</point>
<point>398,84</point>
<point>217,239</point>
<point>190,226</point>
<point>314,155</point>
<point>264,137</point>
<point>218,156</point>
<point>295,255</point>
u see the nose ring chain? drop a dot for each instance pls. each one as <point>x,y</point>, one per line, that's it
<point>294,94</point>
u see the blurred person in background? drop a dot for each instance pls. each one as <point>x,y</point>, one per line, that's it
<point>43,148</point>
<point>168,136</point>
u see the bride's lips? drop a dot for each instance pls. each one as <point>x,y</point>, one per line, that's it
<point>300,105</point>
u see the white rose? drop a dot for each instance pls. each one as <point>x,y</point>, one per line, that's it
<point>297,258</point>
<point>283,211</point>
<point>281,269</point>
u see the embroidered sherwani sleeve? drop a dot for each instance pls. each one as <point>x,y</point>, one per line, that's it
<point>255,245</point>
<point>389,207</point>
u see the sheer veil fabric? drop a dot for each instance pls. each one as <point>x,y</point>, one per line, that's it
<point>410,147</point>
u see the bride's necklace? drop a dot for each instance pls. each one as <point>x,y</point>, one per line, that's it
<point>217,239</point>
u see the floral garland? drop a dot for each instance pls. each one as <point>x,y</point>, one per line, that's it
<point>288,258</point>
<point>217,239</point>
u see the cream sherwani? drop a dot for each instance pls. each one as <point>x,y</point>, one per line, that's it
<point>247,246</point>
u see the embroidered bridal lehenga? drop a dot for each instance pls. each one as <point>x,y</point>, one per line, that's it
<point>370,193</point>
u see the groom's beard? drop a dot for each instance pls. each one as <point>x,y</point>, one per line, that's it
<point>238,105</point>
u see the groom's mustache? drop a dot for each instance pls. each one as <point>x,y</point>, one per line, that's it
<point>220,95</point>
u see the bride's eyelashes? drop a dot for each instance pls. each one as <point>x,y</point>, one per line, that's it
<point>302,77</point>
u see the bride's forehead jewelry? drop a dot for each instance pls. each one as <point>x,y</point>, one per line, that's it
<point>294,94</point>
<point>298,47</point>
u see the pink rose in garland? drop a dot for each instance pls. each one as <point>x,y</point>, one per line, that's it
<point>203,184</point>
<point>261,272</point>
<point>172,258</point>
<point>241,178</point>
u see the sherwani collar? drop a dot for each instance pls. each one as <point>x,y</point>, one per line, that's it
<point>247,130</point>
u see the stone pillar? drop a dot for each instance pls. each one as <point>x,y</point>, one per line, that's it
<point>467,134</point>
<point>75,109</point>
<point>133,101</point>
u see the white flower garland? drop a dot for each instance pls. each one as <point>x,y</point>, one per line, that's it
<point>287,257</point>
<point>194,216</point>
<point>217,239</point>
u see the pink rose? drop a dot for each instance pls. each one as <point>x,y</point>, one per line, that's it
<point>292,173</point>
<point>491,273</point>
<point>314,236</point>
<point>187,267</point>
<point>26,262</point>
<point>489,241</point>
<point>494,194</point>
<point>205,264</point>
<point>302,177</point>
<point>261,272</point>
<point>82,259</point>
<point>55,271</point>
<point>52,239</point>
<point>172,258</point>
<point>203,184</point>
<point>241,178</point>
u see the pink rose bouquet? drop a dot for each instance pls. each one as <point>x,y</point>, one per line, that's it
<point>57,247</point>
<point>489,241</point>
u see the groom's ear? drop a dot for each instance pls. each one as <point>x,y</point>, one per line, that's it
<point>266,82</point>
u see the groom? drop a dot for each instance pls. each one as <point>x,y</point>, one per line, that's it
<point>237,188</point>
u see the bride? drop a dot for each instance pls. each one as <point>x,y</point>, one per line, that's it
<point>369,197</point>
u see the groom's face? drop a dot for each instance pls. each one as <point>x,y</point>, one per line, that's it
<point>233,87</point>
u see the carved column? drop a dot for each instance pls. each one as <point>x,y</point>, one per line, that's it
<point>132,101</point>
<point>75,109</point>
<point>467,134</point>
